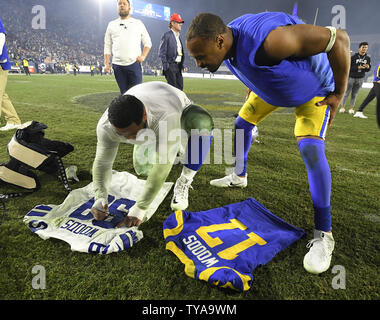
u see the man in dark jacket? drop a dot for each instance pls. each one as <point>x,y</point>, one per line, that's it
<point>360,64</point>
<point>171,52</point>
<point>374,92</point>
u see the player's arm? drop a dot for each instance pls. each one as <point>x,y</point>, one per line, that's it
<point>153,185</point>
<point>156,178</point>
<point>303,40</point>
<point>165,156</point>
<point>106,151</point>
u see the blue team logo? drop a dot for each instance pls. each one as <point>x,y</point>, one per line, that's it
<point>118,209</point>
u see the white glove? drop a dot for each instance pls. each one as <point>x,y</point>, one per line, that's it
<point>100,204</point>
<point>136,212</point>
<point>71,173</point>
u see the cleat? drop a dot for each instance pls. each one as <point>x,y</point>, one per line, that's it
<point>351,111</point>
<point>230,181</point>
<point>342,110</point>
<point>318,259</point>
<point>180,200</point>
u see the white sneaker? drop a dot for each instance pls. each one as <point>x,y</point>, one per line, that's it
<point>318,259</point>
<point>180,200</point>
<point>10,126</point>
<point>351,111</point>
<point>342,110</point>
<point>232,180</point>
<point>359,114</point>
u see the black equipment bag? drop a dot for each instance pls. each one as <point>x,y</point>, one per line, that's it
<point>28,150</point>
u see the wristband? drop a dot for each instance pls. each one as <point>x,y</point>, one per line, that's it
<point>332,38</point>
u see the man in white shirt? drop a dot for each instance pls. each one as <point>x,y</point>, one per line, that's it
<point>171,52</point>
<point>158,116</point>
<point>123,40</point>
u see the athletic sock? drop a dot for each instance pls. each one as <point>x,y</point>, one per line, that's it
<point>188,173</point>
<point>319,177</point>
<point>242,143</point>
<point>197,150</point>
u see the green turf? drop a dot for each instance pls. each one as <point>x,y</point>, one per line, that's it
<point>71,107</point>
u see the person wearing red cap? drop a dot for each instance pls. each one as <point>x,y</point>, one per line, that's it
<point>171,52</point>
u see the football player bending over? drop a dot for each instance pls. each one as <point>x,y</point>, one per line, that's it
<point>156,115</point>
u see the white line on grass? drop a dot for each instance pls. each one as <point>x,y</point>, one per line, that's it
<point>359,172</point>
<point>27,103</point>
<point>372,218</point>
<point>333,148</point>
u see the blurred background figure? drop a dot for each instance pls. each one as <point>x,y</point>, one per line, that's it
<point>374,92</point>
<point>360,64</point>
<point>25,64</point>
<point>171,52</point>
<point>6,106</point>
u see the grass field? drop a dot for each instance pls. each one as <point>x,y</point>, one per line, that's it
<point>71,107</point>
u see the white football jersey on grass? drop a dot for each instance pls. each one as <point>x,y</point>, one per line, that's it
<point>72,221</point>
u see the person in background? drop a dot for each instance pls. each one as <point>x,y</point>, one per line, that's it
<point>6,106</point>
<point>75,68</point>
<point>374,92</point>
<point>360,64</point>
<point>25,64</point>
<point>123,40</point>
<point>171,52</point>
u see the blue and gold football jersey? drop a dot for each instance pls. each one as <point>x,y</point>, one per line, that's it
<point>224,245</point>
<point>290,83</point>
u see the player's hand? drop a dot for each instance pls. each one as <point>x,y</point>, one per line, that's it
<point>100,209</point>
<point>332,100</point>
<point>134,217</point>
<point>140,59</point>
<point>107,68</point>
<point>129,222</point>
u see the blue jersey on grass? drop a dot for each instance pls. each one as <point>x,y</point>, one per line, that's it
<point>224,245</point>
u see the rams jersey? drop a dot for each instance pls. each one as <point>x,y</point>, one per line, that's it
<point>290,83</point>
<point>224,245</point>
<point>4,61</point>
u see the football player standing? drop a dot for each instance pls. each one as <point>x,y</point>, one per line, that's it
<point>284,63</point>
